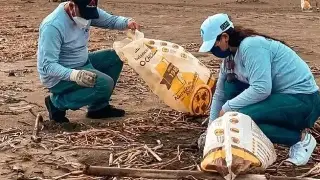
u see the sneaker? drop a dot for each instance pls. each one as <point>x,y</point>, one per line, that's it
<point>55,114</point>
<point>300,153</point>
<point>107,112</point>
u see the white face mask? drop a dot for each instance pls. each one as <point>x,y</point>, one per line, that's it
<point>81,22</point>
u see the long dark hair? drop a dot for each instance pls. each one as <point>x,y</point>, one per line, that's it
<point>239,33</point>
<point>236,36</point>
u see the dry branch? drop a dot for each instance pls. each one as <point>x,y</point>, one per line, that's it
<point>110,159</point>
<point>35,138</point>
<point>172,174</point>
<point>11,130</point>
<point>314,170</point>
<point>70,148</point>
<point>153,153</point>
<point>68,174</point>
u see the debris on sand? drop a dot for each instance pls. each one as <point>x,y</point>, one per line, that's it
<point>126,145</point>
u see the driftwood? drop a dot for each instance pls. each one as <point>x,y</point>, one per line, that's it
<point>153,153</point>
<point>35,134</point>
<point>173,174</point>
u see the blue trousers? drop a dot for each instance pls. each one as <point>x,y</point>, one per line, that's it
<point>69,95</point>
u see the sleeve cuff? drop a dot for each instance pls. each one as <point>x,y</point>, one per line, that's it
<point>126,21</point>
<point>226,107</point>
<point>69,74</point>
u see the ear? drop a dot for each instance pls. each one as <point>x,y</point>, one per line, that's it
<point>72,9</point>
<point>71,4</point>
<point>225,37</point>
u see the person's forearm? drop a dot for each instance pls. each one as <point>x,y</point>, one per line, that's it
<point>215,108</point>
<point>218,98</point>
<point>57,70</point>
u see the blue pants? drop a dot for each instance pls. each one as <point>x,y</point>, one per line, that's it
<point>69,95</point>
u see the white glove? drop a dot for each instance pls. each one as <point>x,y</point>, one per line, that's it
<point>83,77</point>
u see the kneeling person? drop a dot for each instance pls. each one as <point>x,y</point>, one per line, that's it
<point>265,79</point>
<point>75,77</point>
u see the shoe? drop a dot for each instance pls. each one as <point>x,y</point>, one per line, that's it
<point>300,153</point>
<point>107,112</point>
<point>55,114</point>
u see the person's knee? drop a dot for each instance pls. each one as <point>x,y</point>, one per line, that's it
<point>118,61</point>
<point>118,64</point>
<point>249,111</point>
<point>111,54</point>
<point>234,88</point>
<point>104,85</point>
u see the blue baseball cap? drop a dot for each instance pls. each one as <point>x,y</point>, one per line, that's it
<point>211,28</point>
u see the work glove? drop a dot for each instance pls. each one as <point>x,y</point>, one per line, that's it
<point>83,78</point>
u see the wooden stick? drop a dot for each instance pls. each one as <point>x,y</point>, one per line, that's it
<point>153,153</point>
<point>205,121</point>
<point>11,130</point>
<point>68,174</point>
<point>30,110</point>
<point>173,174</point>
<point>316,169</point>
<point>70,148</point>
<point>110,159</point>
<point>35,138</point>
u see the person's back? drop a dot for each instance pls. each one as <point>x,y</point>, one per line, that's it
<point>289,73</point>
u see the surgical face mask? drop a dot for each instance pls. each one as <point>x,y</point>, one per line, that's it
<point>219,53</point>
<point>81,22</point>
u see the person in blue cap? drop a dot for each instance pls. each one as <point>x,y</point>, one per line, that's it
<point>263,78</point>
<point>75,77</point>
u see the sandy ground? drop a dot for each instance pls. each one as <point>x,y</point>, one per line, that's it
<point>148,119</point>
